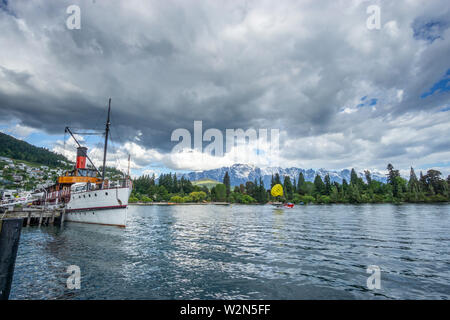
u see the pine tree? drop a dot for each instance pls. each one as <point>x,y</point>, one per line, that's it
<point>301,184</point>
<point>277,179</point>
<point>226,182</point>
<point>368,177</point>
<point>354,195</point>
<point>288,189</point>
<point>392,174</point>
<point>413,184</point>
<point>175,184</point>
<point>250,187</point>
<point>319,185</point>
<point>423,182</point>
<point>262,193</point>
<point>392,179</point>
<point>327,185</point>
<point>353,177</point>
<point>344,187</point>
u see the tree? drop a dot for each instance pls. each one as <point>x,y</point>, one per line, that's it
<point>220,192</point>
<point>434,181</point>
<point>226,182</point>
<point>344,186</point>
<point>288,188</point>
<point>422,182</point>
<point>319,185</point>
<point>175,185</point>
<point>392,175</point>
<point>413,183</point>
<point>177,199</point>
<point>197,196</point>
<point>353,177</point>
<point>250,187</point>
<point>334,194</point>
<point>327,185</point>
<point>301,184</point>
<point>261,195</point>
<point>277,179</point>
<point>368,177</point>
<point>353,194</point>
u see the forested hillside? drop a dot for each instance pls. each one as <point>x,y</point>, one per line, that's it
<point>20,150</point>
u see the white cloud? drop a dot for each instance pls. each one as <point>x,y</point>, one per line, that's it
<point>20,131</point>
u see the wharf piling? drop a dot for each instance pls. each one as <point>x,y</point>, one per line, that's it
<point>10,230</point>
<point>36,216</point>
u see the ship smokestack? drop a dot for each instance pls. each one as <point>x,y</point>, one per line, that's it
<point>81,157</point>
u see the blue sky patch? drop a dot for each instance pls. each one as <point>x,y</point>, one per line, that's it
<point>441,86</point>
<point>4,7</point>
<point>367,102</point>
<point>429,30</point>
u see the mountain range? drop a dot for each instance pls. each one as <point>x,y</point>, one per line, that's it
<point>241,173</point>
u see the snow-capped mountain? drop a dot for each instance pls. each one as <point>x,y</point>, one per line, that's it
<point>241,173</point>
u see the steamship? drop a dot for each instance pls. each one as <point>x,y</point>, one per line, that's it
<point>85,193</point>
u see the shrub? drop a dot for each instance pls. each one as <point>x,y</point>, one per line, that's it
<point>197,196</point>
<point>146,199</point>
<point>324,199</point>
<point>246,199</point>
<point>133,199</point>
<point>307,199</point>
<point>177,199</point>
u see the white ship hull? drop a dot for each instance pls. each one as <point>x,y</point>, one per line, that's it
<point>106,207</point>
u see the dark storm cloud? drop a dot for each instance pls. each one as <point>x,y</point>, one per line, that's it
<point>293,65</point>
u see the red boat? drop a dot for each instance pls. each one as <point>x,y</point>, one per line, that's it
<point>288,205</point>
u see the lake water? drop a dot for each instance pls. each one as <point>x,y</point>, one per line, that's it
<point>243,252</point>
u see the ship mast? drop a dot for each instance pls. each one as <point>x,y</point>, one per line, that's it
<point>106,140</point>
<point>129,158</point>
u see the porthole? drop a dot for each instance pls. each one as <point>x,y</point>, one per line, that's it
<point>106,193</point>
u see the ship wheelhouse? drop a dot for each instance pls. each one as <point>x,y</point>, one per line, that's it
<point>60,192</point>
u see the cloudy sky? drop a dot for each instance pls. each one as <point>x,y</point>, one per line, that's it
<point>341,94</point>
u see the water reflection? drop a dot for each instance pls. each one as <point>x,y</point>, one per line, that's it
<point>254,252</point>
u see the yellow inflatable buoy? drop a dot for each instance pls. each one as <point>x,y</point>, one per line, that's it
<point>277,190</point>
